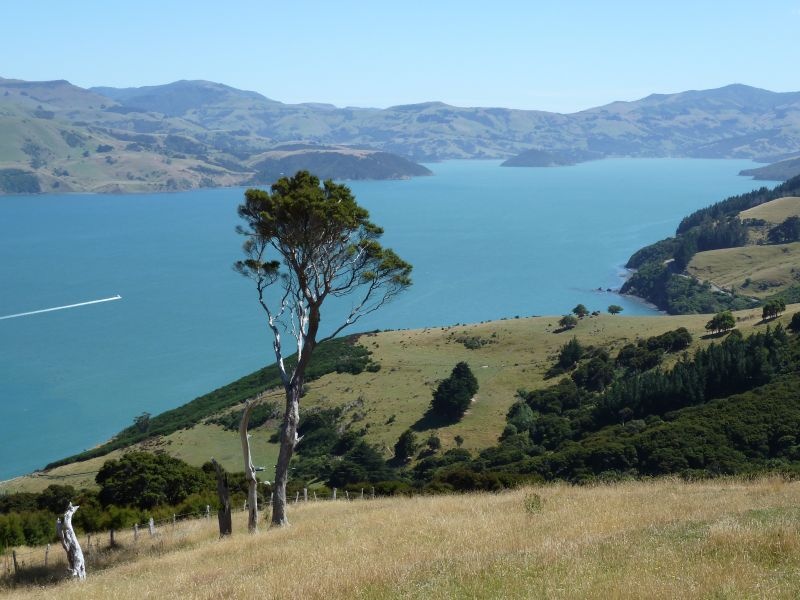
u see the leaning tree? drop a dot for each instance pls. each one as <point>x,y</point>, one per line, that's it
<point>306,243</point>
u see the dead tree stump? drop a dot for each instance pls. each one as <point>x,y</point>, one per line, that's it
<point>69,541</point>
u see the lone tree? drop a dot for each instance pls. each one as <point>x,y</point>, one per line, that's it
<point>453,395</point>
<point>580,311</point>
<point>614,309</point>
<point>307,242</point>
<point>773,308</point>
<point>567,322</point>
<point>722,321</point>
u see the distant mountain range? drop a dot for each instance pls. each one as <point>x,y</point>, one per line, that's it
<point>55,136</point>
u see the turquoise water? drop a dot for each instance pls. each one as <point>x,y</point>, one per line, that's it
<point>486,242</point>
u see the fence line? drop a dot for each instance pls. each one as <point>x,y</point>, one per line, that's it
<point>49,556</point>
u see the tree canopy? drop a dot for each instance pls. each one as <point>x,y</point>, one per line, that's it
<point>312,242</point>
<point>453,395</point>
<point>721,321</point>
<point>567,322</point>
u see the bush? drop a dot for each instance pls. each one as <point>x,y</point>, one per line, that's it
<point>406,446</point>
<point>570,354</point>
<point>567,322</point>
<point>533,503</point>
<point>794,324</point>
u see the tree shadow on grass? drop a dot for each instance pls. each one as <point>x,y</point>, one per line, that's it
<point>431,420</point>
<point>716,335</point>
<point>563,329</point>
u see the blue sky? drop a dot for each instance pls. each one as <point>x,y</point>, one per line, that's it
<point>560,56</point>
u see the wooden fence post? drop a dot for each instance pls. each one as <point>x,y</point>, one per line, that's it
<point>334,493</point>
<point>151,525</point>
<point>16,566</point>
<point>208,511</point>
<point>173,520</point>
<point>315,496</point>
<point>224,518</point>
<point>135,532</point>
<point>362,493</point>
<point>373,492</point>
<point>305,494</point>
<point>46,554</point>
<point>347,494</point>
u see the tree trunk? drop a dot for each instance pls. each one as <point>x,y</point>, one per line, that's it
<point>224,514</point>
<point>288,440</point>
<point>69,541</point>
<point>249,471</point>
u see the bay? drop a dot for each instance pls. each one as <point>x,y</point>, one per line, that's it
<point>486,242</point>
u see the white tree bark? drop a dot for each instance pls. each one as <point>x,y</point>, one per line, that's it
<point>69,541</point>
<point>249,471</point>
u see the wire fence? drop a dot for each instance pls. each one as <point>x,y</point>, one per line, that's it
<point>39,562</point>
<point>142,536</point>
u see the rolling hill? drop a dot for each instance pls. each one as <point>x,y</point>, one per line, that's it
<point>510,355</point>
<point>55,136</point>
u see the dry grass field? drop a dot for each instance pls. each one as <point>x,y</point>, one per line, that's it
<point>776,211</point>
<point>517,354</point>
<point>657,539</point>
<point>769,268</point>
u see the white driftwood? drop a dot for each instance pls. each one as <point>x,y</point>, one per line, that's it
<point>69,541</point>
<point>249,471</point>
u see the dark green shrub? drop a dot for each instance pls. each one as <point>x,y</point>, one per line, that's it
<point>453,395</point>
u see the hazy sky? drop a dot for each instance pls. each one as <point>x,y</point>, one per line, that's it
<point>562,55</point>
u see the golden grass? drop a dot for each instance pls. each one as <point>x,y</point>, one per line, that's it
<point>770,268</point>
<point>658,539</point>
<point>775,211</point>
<point>412,362</point>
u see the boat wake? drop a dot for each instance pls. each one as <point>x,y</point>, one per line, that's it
<point>45,310</point>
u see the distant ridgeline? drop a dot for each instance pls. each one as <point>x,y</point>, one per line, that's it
<point>779,171</point>
<point>61,138</point>
<point>661,276</point>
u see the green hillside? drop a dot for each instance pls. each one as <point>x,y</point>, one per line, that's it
<point>392,395</point>
<point>693,271</point>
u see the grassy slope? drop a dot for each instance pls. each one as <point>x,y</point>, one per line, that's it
<point>775,211</point>
<point>770,268</point>
<point>657,539</point>
<point>412,362</point>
